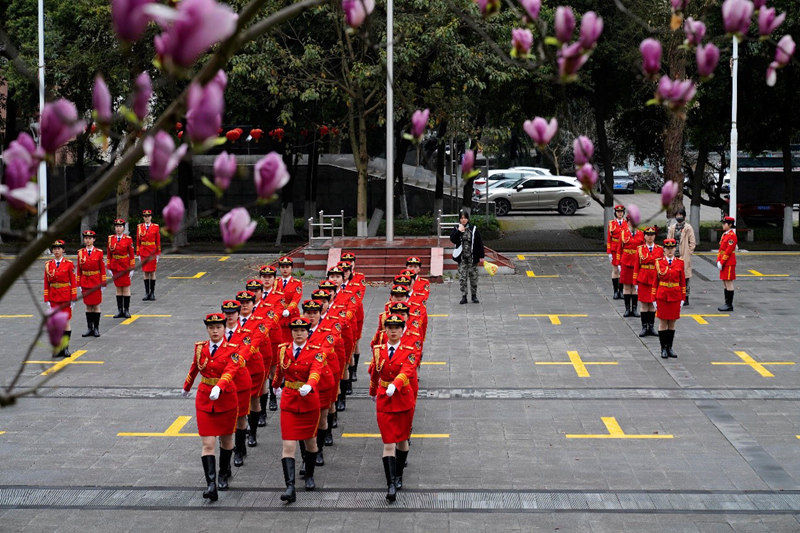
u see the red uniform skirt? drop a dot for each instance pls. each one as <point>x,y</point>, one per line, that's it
<point>243,391</point>
<point>149,263</point>
<point>92,295</point>
<point>62,306</point>
<point>216,424</point>
<point>668,310</point>
<point>645,293</point>
<point>728,273</point>
<point>328,396</point>
<point>299,426</point>
<point>124,280</point>
<point>257,380</point>
<point>626,275</point>
<point>395,427</point>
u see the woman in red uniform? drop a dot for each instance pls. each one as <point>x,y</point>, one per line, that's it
<point>669,291</point>
<point>614,232</point>
<point>299,371</point>
<point>328,382</point>
<point>92,281</point>
<point>630,241</point>
<point>60,288</point>
<point>644,277</point>
<point>726,260</point>
<point>252,333</point>
<point>217,361</point>
<point>148,248</point>
<point>393,371</point>
<point>121,262</point>
<point>242,380</point>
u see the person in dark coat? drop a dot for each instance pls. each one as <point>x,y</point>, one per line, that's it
<point>468,254</point>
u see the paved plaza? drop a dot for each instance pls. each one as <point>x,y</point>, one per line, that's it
<point>540,409</point>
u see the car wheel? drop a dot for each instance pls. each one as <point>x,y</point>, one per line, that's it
<point>567,206</point>
<point>502,207</point>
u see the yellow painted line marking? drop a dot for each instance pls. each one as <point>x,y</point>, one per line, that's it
<point>16,316</point>
<point>413,435</point>
<point>134,318</point>
<point>700,318</point>
<point>615,432</point>
<point>196,276</point>
<point>172,431</point>
<point>755,365</point>
<point>554,318</point>
<point>521,257</point>
<point>424,363</point>
<point>438,316</point>
<point>71,360</point>
<point>577,363</point>
<point>3,433</point>
<point>224,258</point>
<point>757,274</point>
<point>532,275</point>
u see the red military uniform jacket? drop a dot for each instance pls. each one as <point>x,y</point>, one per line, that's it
<point>420,291</point>
<point>254,335</point>
<point>727,249</point>
<point>148,241</point>
<point>60,284</point>
<point>401,370</point>
<point>670,283</point>
<point>219,370</point>
<point>630,243</point>
<point>121,255</point>
<point>292,294</point>
<point>91,268</point>
<point>294,373</point>
<point>380,332</point>
<point>326,343</point>
<point>613,239</point>
<point>645,270</point>
<point>337,356</point>
<point>358,277</point>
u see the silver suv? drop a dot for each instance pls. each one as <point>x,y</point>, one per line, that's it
<point>538,193</point>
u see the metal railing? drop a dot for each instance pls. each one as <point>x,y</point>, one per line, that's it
<point>326,227</point>
<point>445,224</point>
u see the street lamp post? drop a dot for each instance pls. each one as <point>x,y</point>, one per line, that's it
<point>389,121</point>
<point>734,133</point>
<point>42,175</point>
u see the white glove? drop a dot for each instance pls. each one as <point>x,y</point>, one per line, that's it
<point>682,302</point>
<point>71,304</point>
<point>285,313</point>
<point>214,394</point>
<point>610,258</point>
<point>278,392</point>
<point>185,393</point>
<point>619,268</point>
<point>390,390</point>
<point>655,305</point>
<point>305,389</point>
<point>719,265</point>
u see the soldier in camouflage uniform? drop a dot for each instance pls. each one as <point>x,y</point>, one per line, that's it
<point>468,254</point>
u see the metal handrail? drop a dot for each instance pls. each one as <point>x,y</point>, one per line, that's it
<point>327,224</point>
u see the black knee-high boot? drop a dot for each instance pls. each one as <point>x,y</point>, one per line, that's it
<point>627,313</point>
<point>239,449</point>
<point>615,282</point>
<point>152,289</point>
<point>252,422</point>
<point>634,305</point>
<point>309,458</point>
<point>146,290</point>
<point>224,468</point>
<point>262,416</point>
<point>89,328</point>
<point>120,307</point>
<point>273,400</point>
<point>210,469</point>
<point>341,402</point>
<point>662,339</point>
<point>302,445</point>
<point>288,477</point>
<point>96,324</point>
<point>400,465</point>
<point>328,432</point>
<point>645,316</point>
<point>126,306</point>
<point>354,368</point>
<point>389,470</point>
<point>670,338</point>
<point>319,458</point>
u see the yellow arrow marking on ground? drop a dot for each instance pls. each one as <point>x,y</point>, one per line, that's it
<point>532,275</point>
<point>699,318</point>
<point>757,274</point>
<point>196,276</point>
<point>577,363</point>
<point>755,365</point>
<point>16,316</point>
<point>58,365</point>
<point>554,318</point>
<point>172,431</point>
<point>134,318</point>
<point>521,257</point>
<point>615,432</point>
<point>224,258</point>
<point>413,435</point>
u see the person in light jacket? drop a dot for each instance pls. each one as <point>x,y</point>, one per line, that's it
<point>468,254</point>
<point>683,234</point>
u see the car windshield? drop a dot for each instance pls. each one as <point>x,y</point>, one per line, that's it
<point>506,183</point>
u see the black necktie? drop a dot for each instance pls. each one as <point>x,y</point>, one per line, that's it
<point>284,283</point>
<point>213,349</point>
<point>58,263</point>
<point>118,238</point>
<point>391,352</point>
<point>670,261</point>
<point>230,334</point>
<point>244,321</point>
<point>297,352</point>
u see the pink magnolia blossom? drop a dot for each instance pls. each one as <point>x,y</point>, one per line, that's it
<point>634,215</point>
<point>521,41</point>
<point>356,11</point>
<point>695,30</point>
<point>21,159</point>
<point>564,23</point>
<point>651,56</point>
<point>59,123</point>
<point>467,162</point>
<point>785,50</point>
<point>541,131</point>
<point>173,214</point>
<point>205,106</point>
<point>571,58</point>
<point>270,174</point>
<point>676,94</point>
<point>736,15</point>
<point>236,227</point>
<point>21,197</point>
<point>772,73</point>
<point>224,170</point>
<point>164,158</point>
<point>532,7</point>
<point>582,150</point>
<point>758,4</point>
<point>129,18</point>
<point>707,58</point>
<point>141,96</point>
<point>768,21</point>
<point>587,175</point>
<point>191,29</point>
<point>101,100</point>
<point>56,324</point>
<point>419,121</point>
<point>488,7</point>
<point>679,5</point>
<point>668,192</point>
<point>591,28</point>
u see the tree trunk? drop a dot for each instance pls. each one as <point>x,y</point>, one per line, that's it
<point>89,220</point>
<point>123,199</point>
<point>607,165</point>
<point>438,195</point>
<point>697,188</point>
<point>788,190</point>
<point>673,136</point>
<point>286,225</point>
<point>363,161</point>
<point>311,182</point>
<point>187,193</point>
<point>401,149</point>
